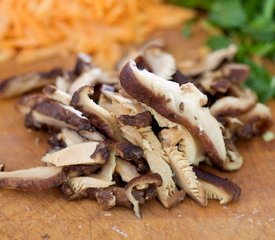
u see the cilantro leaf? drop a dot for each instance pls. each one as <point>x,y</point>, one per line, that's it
<point>228,14</point>
<point>216,42</point>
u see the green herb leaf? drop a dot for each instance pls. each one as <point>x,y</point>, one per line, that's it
<point>216,42</point>
<point>259,79</point>
<point>228,14</point>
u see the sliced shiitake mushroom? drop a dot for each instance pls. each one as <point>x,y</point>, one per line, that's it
<point>15,86</point>
<point>33,179</point>
<point>142,119</point>
<point>129,151</point>
<point>27,102</point>
<point>217,187</point>
<point>82,153</point>
<point>98,116</point>
<point>238,101</point>
<point>182,105</point>
<point>54,93</point>
<point>140,180</point>
<point>50,114</point>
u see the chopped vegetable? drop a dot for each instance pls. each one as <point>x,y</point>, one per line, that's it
<point>38,30</point>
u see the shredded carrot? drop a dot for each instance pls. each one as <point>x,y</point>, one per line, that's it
<point>36,28</point>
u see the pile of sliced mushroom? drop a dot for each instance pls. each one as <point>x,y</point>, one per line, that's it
<point>127,136</point>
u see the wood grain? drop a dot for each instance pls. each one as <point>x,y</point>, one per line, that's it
<point>46,215</point>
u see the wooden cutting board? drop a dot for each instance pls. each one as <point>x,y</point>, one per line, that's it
<point>46,215</point>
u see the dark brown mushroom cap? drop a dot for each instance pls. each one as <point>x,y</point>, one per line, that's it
<point>129,151</point>
<point>182,105</point>
<point>221,80</point>
<point>52,114</point>
<point>218,187</point>
<point>142,119</point>
<point>180,78</point>
<point>81,170</point>
<point>27,102</point>
<point>236,72</point>
<point>98,116</point>
<point>33,179</point>
<point>83,63</point>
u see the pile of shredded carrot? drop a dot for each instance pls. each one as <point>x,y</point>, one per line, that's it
<point>33,30</point>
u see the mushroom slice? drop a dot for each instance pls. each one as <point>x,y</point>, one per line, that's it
<point>105,98</point>
<point>79,184</point>
<point>27,102</point>
<point>236,72</point>
<point>18,85</point>
<point>81,170</point>
<point>108,169</point>
<point>181,157</point>
<point>239,101</point>
<point>141,180</point>
<point>135,53</point>
<point>82,153</point>
<point>64,82</point>
<point>212,61</point>
<point>234,159</point>
<point>83,64</point>
<point>126,170</point>
<point>111,196</point>
<point>255,122</point>
<point>168,194</point>
<point>182,105</point>
<point>180,78</point>
<point>141,165</point>
<point>57,94</point>
<point>92,135</point>
<point>93,76</point>
<point>33,179</point>
<point>98,116</point>
<point>54,115</point>
<point>217,187</point>
<point>160,62</point>
<point>105,102</point>
<point>66,138</point>
<point>142,119</point>
<point>222,79</point>
<point>129,151</point>
<point>88,77</point>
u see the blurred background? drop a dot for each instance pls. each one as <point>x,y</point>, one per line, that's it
<point>33,31</point>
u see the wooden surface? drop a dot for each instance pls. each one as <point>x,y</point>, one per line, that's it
<point>46,215</point>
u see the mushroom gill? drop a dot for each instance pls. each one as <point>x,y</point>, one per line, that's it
<point>181,155</point>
